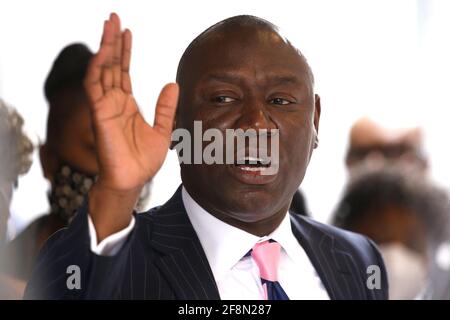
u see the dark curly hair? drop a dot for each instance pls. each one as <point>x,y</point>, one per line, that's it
<point>376,189</point>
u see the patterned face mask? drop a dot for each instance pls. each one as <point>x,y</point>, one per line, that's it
<point>68,192</point>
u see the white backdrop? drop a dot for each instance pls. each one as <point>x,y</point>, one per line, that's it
<point>388,59</point>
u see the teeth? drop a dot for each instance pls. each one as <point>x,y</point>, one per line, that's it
<point>253,168</point>
<point>253,160</point>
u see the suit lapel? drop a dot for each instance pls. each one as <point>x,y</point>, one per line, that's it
<point>185,266</point>
<point>335,267</point>
<point>183,261</point>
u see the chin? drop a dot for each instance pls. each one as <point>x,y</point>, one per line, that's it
<point>253,206</point>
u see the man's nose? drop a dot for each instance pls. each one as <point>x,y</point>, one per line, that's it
<point>255,116</point>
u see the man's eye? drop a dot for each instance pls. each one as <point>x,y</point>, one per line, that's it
<point>223,99</point>
<point>279,101</point>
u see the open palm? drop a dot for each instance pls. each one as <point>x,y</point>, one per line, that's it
<point>129,150</point>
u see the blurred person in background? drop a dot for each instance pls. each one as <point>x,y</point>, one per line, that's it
<point>15,160</point>
<point>390,199</point>
<point>407,217</point>
<point>372,145</point>
<point>68,157</point>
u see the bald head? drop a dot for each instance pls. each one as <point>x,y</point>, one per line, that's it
<point>371,144</point>
<point>242,27</point>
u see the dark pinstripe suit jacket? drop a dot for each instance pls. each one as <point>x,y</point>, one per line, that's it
<point>163,259</point>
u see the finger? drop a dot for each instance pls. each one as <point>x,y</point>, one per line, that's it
<point>117,55</point>
<point>126,58</point>
<point>92,79</point>
<point>92,82</point>
<point>165,109</point>
<point>107,46</point>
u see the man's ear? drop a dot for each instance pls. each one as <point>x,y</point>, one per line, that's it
<point>49,163</point>
<point>317,109</point>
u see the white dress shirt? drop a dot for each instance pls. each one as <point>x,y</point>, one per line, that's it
<point>225,246</point>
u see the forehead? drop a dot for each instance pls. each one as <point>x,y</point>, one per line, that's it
<point>242,53</point>
<point>370,136</point>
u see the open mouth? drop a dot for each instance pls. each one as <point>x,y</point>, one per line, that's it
<point>254,170</point>
<point>252,164</point>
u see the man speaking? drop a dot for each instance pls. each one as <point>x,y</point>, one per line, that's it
<point>226,233</point>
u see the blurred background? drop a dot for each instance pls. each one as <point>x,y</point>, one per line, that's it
<point>387,60</point>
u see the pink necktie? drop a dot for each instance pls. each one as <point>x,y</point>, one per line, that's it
<point>267,257</point>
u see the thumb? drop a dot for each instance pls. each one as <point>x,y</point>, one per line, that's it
<point>165,109</point>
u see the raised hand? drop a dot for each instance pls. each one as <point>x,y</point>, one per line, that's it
<point>130,151</point>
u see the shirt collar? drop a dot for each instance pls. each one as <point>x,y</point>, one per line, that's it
<point>225,245</point>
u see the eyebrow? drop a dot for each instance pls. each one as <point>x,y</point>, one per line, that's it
<point>223,77</point>
<point>274,79</point>
<point>284,79</point>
